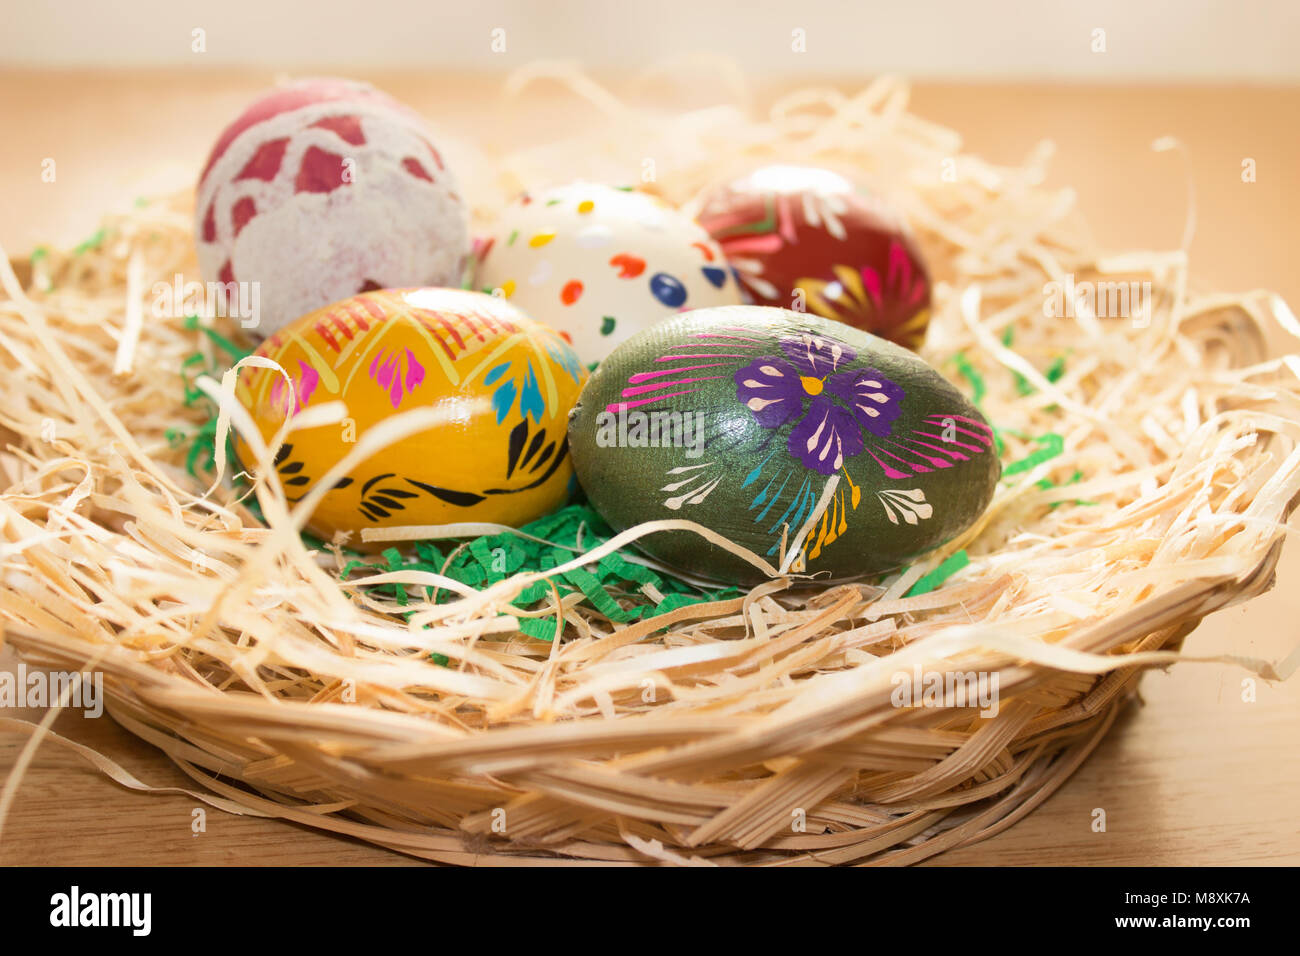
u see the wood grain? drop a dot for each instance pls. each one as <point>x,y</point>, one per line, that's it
<point>1195,776</point>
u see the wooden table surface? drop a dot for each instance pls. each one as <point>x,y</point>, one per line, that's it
<point>1195,776</point>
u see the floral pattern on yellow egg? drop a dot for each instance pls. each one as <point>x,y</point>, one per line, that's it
<point>507,381</point>
<point>599,264</point>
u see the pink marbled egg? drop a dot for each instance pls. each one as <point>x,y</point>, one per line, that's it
<point>324,188</point>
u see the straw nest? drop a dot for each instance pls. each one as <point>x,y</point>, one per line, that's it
<point>1157,459</point>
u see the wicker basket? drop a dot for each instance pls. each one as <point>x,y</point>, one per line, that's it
<point>764,729</point>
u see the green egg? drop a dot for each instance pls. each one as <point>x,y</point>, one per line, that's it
<point>821,448</point>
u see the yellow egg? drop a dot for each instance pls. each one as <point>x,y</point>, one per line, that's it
<point>506,382</point>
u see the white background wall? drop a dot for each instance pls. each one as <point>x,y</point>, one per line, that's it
<point>1190,40</point>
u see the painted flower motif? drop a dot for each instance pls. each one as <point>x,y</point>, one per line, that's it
<point>906,503</point>
<point>563,355</point>
<point>894,301</point>
<point>826,209</point>
<point>514,379</point>
<point>398,374</point>
<point>506,389</point>
<point>304,383</point>
<point>831,408</point>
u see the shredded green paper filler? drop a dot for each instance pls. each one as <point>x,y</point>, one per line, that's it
<point>946,569</point>
<point>573,529</point>
<point>1049,445</point>
<point>93,242</point>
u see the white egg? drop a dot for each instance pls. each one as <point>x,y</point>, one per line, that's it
<point>599,264</point>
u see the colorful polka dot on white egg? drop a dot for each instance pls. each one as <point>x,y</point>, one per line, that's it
<point>598,264</point>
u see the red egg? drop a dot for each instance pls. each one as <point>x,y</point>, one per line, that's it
<point>804,237</point>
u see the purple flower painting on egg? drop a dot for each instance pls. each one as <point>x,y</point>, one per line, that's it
<point>831,407</point>
<point>795,415</point>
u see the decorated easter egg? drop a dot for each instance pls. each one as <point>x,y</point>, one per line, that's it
<point>505,382</point>
<point>599,264</point>
<point>803,238</point>
<point>322,189</point>
<point>821,448</point>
